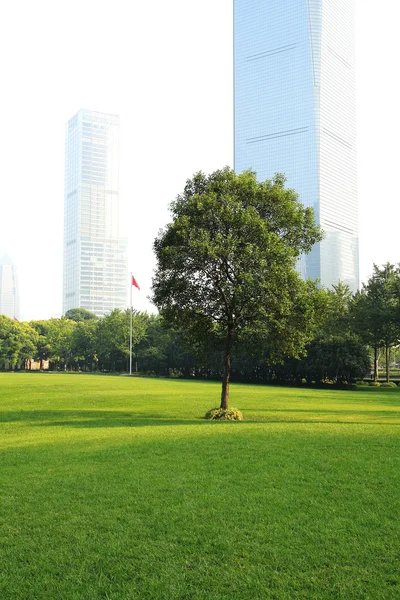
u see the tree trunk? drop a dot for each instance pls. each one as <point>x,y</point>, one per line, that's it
<point>376,358</point>
<point>227,370</point>
<point>387,349</point>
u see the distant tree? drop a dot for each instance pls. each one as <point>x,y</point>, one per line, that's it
<point>114,335</point>
<point>8,347</point>
<point>140,324</point>
<point>163,351</point>
<point>80,314</point>
<point>27,339</point>
<point>335,359</point>
<point>42,345</point>
<point>337,353</point>
<point>336,321</point>
<point>60,341</point>
<point>366,326</point>
<point>84,343</point>
<point>389,277</point>
<point>17,341</point>
<point>113,340</point>
<point>226,264</point>
<point>375,312</point>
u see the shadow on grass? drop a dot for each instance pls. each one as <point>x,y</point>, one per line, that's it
<point>108,419</point>
<point>92,418</point>
<point>323,411</point>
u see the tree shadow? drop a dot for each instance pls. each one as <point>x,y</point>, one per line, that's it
<point>328,416</point>
<point>109,419</point>
<point>319,411</point>
<point>93,418</point>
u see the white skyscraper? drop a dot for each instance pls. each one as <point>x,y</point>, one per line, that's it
<point>95,255</point>
<point>295,113</point>
<point>9,293</point>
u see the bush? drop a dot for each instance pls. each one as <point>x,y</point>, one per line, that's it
<point>362,383</point>
<point>224,414</point>
<point>390,384</point>
<point>375,384</point>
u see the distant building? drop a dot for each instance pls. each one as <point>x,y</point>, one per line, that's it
<point>295,113</point>
<point>95,255</point>
<point>9,292</point>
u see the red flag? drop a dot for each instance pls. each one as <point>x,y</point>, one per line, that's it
<point>135,283</point>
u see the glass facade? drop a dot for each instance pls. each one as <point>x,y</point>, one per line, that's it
<point>9,293</point>
<point>95,256</point>
<point>294,67</point>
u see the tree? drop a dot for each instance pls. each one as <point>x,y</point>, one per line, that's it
<point>113,337</point>
<point>226,264</point>
<point>162,350</point>
<point>7,347</point>
<point>336,353</point>
<point>84,342</point>
<point>338,359</point>
<point>140,324</point>
<point>17,341</point>
<point>375,312</point>
<point>387,278</point>
<point>113,340</point>
<point>42,345</point>
<point>60,341</point>
<point>27,340</point>
<point>336,322</point>
<point>80,314</point>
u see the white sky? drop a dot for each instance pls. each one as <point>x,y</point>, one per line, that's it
<point>165,67</point>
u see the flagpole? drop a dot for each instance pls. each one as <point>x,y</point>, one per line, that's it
<point>130,334</point>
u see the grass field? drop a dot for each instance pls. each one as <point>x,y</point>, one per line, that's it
<point>115,488</point>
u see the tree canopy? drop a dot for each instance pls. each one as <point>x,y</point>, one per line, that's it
<point>17,341</point>
<point>226,264</point>
<point>375,312</point>
<point>80,314</point>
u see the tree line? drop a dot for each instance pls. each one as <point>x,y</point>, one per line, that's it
<point>352,333</point>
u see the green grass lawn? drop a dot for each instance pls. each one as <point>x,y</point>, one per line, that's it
<point>115,488</point>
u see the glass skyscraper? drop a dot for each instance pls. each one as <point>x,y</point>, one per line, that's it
<point>294,63</point>
<point>95,255</point>
<point>9,293</point>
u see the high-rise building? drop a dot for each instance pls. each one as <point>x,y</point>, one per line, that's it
<point>95,254</point>
<point>294,63</point>
<point>9,293</point>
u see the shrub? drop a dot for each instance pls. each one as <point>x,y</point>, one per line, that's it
<point>224,414</point>
<point>362,383</point>
<point>375,384</point>
<point>390,384</point>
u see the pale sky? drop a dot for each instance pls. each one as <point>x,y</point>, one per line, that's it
<point>166,69</point>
